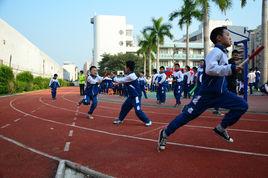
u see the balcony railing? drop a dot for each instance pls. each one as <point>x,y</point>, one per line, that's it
<point>181,56</point>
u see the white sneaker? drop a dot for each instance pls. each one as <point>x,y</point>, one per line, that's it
<point>148,124</point>
<point>117,121</point>
<point>90,116</point>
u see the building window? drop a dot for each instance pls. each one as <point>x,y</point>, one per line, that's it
<point>129,32</point>
<point>121,43</point>
<point>4,42</point>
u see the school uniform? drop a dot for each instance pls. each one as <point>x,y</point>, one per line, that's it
<point>251,81</point>
<point>161,87</point>
<point>143,82</point>
<point>92,90</point>
<point>133,89</point>
<point>54,84</point>
<point>177,85</point>
<point>213,92</point>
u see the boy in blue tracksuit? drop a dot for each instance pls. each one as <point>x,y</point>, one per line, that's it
<point>143,83</point>
<point>134,95</point>
<point>213,91</point>
<point>92,90</point>
<point>161,85</point>
<point>54,84</point>
<point>177,83</point>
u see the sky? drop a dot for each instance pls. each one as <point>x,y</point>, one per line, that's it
<point>62,29</point>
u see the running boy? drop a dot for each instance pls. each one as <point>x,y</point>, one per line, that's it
<point>134,95</point>
<point>177,82</point>
<point>213,91</point>
<point>143,82</point>
<point>92,90</point>
<point>161,85</point>
<point>54,84</point>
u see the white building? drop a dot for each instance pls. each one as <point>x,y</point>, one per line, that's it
<point>87,66</point>
<point>112,35</point>
<point>70,71</point>
<point>20,54</point>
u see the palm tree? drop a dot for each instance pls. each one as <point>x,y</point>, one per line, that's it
<point>186,14</point>
<point>147,49</point>
<point>158,32</point>
<point>205,6</point>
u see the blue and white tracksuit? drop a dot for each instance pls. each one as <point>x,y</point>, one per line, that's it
<point>143,82</point>
<point>92,91</point>
<point>177,88</point>
<point>134,97</point>
<point>54,84</point>
<point>161,87</point>
<point>213,92</point>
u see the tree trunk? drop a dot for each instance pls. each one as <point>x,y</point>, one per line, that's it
<point>206,31</point>
<point>264,66</point>
<point>144,64</point>
<point>157,57</point>
<point>150,63</point>
<point>187,45</point>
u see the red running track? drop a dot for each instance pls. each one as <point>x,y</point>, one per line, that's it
<point>60,128</point>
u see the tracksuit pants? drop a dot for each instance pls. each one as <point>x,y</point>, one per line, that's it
<point>177,92</point>
<point>129,103</point>
<point>161,90</point>
<point>94,100</point>
<point>53,93</point>
<point>228,100</point>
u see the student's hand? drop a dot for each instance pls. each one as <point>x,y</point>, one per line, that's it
<point>238,68</point>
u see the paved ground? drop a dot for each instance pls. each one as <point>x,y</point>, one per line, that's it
<point>35,132</point>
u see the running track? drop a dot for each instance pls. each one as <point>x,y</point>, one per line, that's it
<point>36,132</point>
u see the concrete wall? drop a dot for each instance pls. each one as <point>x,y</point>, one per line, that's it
<point>19,53</point>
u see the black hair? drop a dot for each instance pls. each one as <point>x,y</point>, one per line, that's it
<point>142,72</point>
<point>187,67</point>
<point>256,68</point>
<point>154,71</point>
<point>81,71</point>
<point>195,68</point>
<point>162,67</point>
<point>216,32</point>
<point>92,67</point>
<point>235,51</point>
<point>55,75</point>
<point>177,64</point>
<point>130,65</point>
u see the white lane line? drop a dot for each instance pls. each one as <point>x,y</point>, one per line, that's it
<point>67,146</point>
<point>91,172</point>
<point>4,126</point>
<point>163,123</point>
<point>76,113</point>
<point>148,131</point>
<point>144,139</point>
<point>33,111</point>
<point>171,114</point>
<point>16,120</point>
<point>73,124</point>
<point>71,133</point>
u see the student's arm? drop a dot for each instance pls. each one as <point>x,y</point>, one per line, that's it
<point>212,66</point>
<point>91,80</point>
<point>163,79</point>
<point>126,79</point>
<point>99,79</point>
<point>266,87</point>
<point>50,82</point>
<point>58,83</point>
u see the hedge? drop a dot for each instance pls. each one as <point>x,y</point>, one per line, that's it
<point>6,80</point>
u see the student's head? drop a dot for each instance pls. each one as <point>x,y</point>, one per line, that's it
<point>55,76</point>
<point>162,69</point>
<point>187,68</point>
<point>194,69</point>
<point>81,72</point>
<point>251,69</point>
<point>141,74</point>
<point>93,70</point>
<point>220,35</point>
<point>256,68</point>
<point>201,63</point>
<point>235,54</point>
<point>154,71</point>
<point>176,66</point>
<point>130,66</point>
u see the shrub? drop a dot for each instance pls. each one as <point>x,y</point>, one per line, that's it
<point>24,81</point>
<point>40,83</point>
<point>6,80</point>
<point>25,77</point>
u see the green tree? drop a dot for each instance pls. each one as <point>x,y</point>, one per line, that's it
<point>159,31</point>
<point>6,80</point>
<point>113,63</point>
<point>186,14</point>
<point>205,6</point>
<point>147,49</point>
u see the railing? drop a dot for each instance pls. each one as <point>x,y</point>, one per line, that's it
<point>181,56</point>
